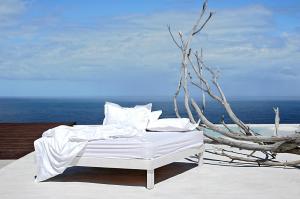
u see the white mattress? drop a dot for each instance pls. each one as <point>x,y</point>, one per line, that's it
<point>148,146</point>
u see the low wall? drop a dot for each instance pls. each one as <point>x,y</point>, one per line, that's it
<point>16,139</point>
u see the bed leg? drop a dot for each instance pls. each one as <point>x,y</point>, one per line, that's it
<point>200,159</point>
<point>150,179</point>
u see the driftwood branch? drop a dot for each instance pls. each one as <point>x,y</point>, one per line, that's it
<point>193,71</point>
<point>257,160</point>
<point>173,38</point>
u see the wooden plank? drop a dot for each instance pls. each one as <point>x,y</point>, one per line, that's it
<point>16,139</point>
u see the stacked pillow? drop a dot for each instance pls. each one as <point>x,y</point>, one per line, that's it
<point>136,117</point>
<point>140,117</point>
<point>154,116</point>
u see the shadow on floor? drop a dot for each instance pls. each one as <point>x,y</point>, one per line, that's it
<point>224,163</point>
<point>127,177</point>
<point>220,161</point>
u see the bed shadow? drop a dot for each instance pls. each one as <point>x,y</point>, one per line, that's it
<point>128,177</point>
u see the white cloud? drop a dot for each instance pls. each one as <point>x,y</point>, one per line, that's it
<point>9,10</point>
<point>11,7</point>
<point>237,40</point>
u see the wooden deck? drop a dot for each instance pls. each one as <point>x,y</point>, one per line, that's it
<point>16,139</point>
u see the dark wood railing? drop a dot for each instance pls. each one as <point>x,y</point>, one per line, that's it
<point>16,139</point>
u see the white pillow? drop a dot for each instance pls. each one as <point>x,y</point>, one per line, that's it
<point>154,115</point>
<point>136,117</point>
<point>172,124</point>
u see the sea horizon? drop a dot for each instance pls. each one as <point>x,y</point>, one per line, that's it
<point>90,110</point>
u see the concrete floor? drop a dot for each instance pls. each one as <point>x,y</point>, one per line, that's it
<point>215,179</point>
<point>3,163</point>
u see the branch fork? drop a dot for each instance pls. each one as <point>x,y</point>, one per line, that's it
<point>193,72</point>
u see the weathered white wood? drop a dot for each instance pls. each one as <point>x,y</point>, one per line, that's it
<point>201,158</point>
<point>141,164</point>
<point>277,120</point>
<point>175,156</point>
<point>150,179</point>
<point>242,137</point>
<point>185,51</point>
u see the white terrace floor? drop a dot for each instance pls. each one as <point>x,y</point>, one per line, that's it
<point>215,179</point>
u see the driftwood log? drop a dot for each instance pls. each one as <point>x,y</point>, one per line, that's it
<point>195,72</point>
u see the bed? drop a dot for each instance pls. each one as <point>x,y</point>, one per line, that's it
<point>148,152</point>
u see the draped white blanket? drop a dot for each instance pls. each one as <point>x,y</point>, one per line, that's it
<point>58,147</point>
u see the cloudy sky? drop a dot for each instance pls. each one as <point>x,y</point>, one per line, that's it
<point>122,47</point>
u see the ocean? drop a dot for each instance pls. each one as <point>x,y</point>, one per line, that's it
<point>91,111</point>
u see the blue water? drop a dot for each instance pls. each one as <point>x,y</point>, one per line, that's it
<point>90,111</point>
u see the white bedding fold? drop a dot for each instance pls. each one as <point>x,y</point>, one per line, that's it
<point>58,147</point>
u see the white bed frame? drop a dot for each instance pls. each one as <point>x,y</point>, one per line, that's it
<point>141,164</point>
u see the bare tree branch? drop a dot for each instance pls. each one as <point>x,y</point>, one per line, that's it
<point>203,25</point>
<point>172,36</point>
<point>223,100</point>
<point>244,137</point>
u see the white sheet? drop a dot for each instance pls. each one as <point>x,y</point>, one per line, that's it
<point>58,147</point>
<point>148,146</point>
<point>172,124</point>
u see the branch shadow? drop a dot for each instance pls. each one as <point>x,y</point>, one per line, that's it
<point>128,177</point>
<point>218,161</point>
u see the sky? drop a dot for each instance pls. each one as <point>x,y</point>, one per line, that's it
<point>91,48</point>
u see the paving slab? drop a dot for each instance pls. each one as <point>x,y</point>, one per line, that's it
<point>217,178</point>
